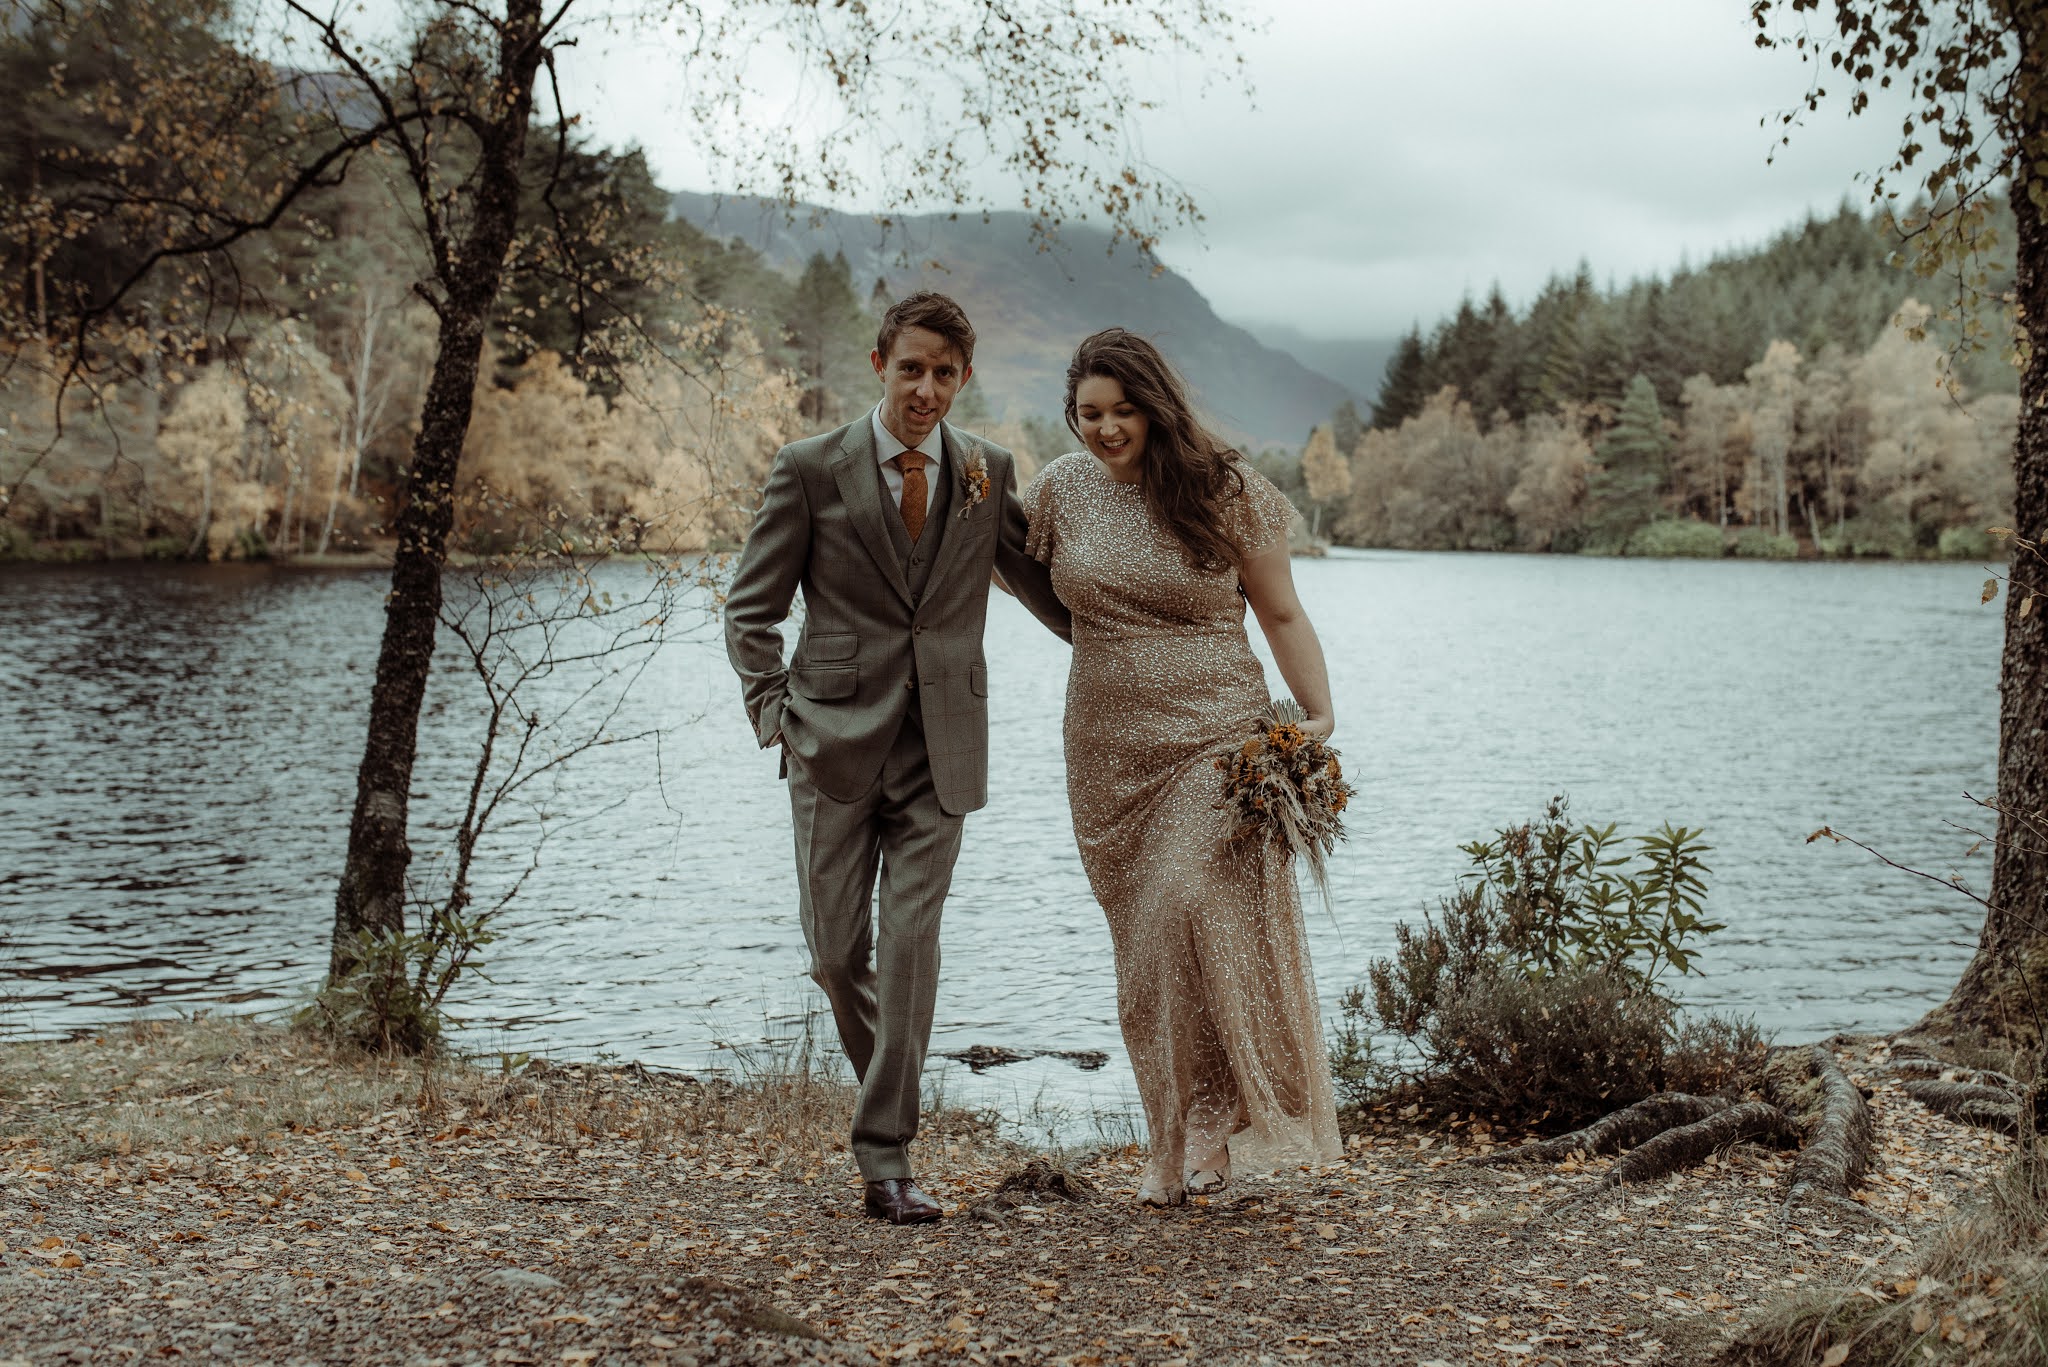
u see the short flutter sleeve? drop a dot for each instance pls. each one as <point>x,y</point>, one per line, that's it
<point>1037,499</point>
<point>1261,518</point>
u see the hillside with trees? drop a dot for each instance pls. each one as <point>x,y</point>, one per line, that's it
<point>1031,306</point>
<point>270,408</point>
<point>286,433</point>
<point>1793,400</point>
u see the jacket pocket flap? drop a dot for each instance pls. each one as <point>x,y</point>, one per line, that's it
<point>977,680</point>
<point>823,684</point>
<point>839,645</point>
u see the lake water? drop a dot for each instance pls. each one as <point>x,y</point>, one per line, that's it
<point>178,746</point>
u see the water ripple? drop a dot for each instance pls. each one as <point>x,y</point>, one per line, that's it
<point>181,743</point>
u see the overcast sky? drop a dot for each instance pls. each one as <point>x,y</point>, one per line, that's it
<point>1402,154</point>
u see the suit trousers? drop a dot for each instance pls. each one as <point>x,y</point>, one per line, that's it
<point>882,982</point>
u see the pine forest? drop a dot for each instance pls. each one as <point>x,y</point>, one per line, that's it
<point>1807,398</point>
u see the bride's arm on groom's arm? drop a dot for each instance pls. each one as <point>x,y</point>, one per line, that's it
<point>1268,580</point>
<point>758,601</point>
<point>1018,573</point>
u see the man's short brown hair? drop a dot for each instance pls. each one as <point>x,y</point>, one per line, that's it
<point>934,312</point>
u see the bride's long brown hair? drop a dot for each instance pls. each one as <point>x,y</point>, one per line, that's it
<point>1185,473</point>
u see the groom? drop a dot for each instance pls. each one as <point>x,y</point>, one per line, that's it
<point>890,526</point>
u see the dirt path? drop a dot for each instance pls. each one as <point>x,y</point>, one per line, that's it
<point>232,1192</point>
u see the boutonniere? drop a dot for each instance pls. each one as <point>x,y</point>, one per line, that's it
<point>973,478</point>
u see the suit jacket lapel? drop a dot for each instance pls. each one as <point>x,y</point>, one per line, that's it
<point>854,470</point>
<point>957,515</point>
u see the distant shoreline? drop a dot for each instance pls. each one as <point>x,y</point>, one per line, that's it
<point>72,554</point>
<point>79,554</point>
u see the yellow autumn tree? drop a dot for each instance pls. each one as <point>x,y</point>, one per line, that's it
<point>1773,405</point>
<point>1932,462</point>
<point>1326,473</point>
<point>674,463</point>
<point>1552,482</point>
<point>297,404</point>
<point>201,442</point>
<point>1436,482</point>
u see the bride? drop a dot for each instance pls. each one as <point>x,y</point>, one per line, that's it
<point>1157,536</point>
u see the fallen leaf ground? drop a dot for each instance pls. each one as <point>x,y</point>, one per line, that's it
<point>234,1192</point>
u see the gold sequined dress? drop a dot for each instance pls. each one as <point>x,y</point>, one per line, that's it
<point>1214,989</point>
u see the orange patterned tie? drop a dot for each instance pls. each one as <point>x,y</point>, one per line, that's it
<point>915,495</point>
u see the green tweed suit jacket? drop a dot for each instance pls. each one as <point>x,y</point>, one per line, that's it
<point>870,646</point>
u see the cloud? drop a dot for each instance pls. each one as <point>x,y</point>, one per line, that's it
<point>1399,156</point>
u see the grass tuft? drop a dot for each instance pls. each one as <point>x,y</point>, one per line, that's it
<point>1975,1292</point>
<point>178,1088</point>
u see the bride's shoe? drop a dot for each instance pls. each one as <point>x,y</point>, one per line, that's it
<point>1208,1181</point>
<point>1156,1190</point>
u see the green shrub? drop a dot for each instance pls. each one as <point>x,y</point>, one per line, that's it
<point>1755,543</point>
<point>1559,896</point>
<point>1968,543</point>
<point>1714,1055</point>
<point>1533,992</point>
<point>1563,1042</point>
<point>376,1005</point>
<point>15,544</point>
<point>1881,533</point>
<point>165,548</point>
<point>1674,537</point>
<point>390,1000</point>
<point>1568,541</point>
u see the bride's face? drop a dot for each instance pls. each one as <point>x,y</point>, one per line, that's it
<point>1111,424</point>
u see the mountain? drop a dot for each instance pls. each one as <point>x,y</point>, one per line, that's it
<point>1357,363</point>
<point>1030,307</point>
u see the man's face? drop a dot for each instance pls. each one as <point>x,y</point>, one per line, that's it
<point>920,376</point>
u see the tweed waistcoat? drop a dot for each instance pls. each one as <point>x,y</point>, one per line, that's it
<point>917,560</point>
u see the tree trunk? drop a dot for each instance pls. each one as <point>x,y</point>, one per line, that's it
<point>1721,482</point>
<point>1835,510</point>
<point>373,882</point>
<point>38,284</point>
<point>362,417</point>
<point>333,503</point>
<point>334,499</point>
<point>2003,994</point>
<point>205,508</point>
<point>284,518</point>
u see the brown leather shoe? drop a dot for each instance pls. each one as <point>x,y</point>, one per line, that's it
<point>897,1200</point>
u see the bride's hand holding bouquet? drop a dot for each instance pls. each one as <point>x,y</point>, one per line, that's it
<point>1287,787</point>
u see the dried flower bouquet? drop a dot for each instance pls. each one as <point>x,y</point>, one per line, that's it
<point>1287,788</point>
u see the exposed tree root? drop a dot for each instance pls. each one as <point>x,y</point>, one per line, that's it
<point>1837,1150</point>
<point>1684,1145</point>
<point>1622,1129</point>
<point>1810,1103</point>
<point>1990,1108</point>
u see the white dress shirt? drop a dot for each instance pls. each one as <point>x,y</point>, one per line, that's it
<point>887,448</point>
